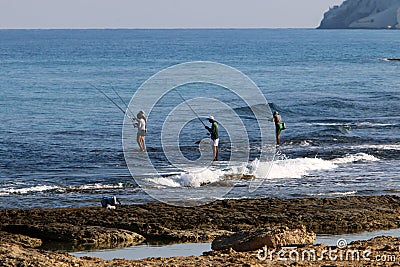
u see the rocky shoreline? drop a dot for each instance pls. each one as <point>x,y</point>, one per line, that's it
<point>22,232</point>
<point>363,14</point>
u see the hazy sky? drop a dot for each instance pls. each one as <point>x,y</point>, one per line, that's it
<point>163,13</point>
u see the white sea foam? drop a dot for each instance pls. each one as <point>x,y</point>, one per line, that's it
<point>295,168</point>
<point>355,158</point>
<point>348,124</point>
<point>305,143</point>
<point>380,147</point>
<point>366,123</point>
<point>326,124</point>
<point>348,193</point>
<point>288,168</point>
<point>191,179</point>
<point>196,179</point>
<point>42,188</point>
<point>27,190</point>
<point>165,181</point>
<point>98,186</point>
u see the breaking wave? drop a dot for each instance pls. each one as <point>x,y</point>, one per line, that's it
<point>12,190</point>
<point>287,169</point>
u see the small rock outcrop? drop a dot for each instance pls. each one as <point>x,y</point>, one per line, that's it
<point>363,14</point>
<point>257,239</point>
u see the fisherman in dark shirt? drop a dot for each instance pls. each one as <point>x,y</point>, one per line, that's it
<point>214,136</point>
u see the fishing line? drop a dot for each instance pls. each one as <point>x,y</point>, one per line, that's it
<point>112,101</point>
<point>122,100</point>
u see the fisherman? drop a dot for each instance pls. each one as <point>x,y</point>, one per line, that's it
<point>139,121</point>
<point>142,130</point>
<point>110,202</point>
<point>214,136</point>
<point>279,126</point>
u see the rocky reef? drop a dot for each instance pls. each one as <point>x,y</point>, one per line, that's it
<point>363,14</point>
<point>159,221</point>
<point>238,229</point>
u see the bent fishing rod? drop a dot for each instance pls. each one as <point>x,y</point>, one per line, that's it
<point>198,117</point>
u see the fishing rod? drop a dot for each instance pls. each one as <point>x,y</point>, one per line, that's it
<point>112,101</point>
<point>191,108</point>
<point>122,100</point>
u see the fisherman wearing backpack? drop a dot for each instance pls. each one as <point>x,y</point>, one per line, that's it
<point>279,126</point>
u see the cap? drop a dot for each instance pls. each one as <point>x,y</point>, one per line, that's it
<point>211,118</point>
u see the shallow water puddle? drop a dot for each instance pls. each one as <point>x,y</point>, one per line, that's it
<point>148,251</point>
<point>197,249</point>
<point>332,240</point>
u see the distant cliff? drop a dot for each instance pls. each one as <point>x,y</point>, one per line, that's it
<point>363,14</point>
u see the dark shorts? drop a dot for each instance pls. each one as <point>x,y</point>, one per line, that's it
<point>141,133</point>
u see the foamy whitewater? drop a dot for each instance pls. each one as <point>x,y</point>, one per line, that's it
<point>280,169</point>
<point>60,139</point>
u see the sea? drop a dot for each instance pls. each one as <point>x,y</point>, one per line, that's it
<point>61,139</point>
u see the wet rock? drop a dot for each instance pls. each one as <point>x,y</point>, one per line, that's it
<point>196,235</point>
<point>257,239</point>
<point>14,255</point>
<point>76,233</point>
<point>159,221</point>
<point>93,225</point>
<point>24,241</point>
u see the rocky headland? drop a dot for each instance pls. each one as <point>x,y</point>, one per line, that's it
<point>363,14</point>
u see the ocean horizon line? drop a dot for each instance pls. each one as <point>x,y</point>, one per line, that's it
<point>171,28</point>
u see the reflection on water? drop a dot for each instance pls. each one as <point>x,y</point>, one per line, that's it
<point>197,249</point>
<point>148,251</point>
<point>331,240</point>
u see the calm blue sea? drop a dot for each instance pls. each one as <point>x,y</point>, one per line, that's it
<point>60,139</point>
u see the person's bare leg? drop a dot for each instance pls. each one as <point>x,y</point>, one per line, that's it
<point>215,153</point>
<point>138,141</point>
<point>143,144</point>
<point>278,139</point>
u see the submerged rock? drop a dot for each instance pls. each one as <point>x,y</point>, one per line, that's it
<point>257,239</point>
<point>363,14</point>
